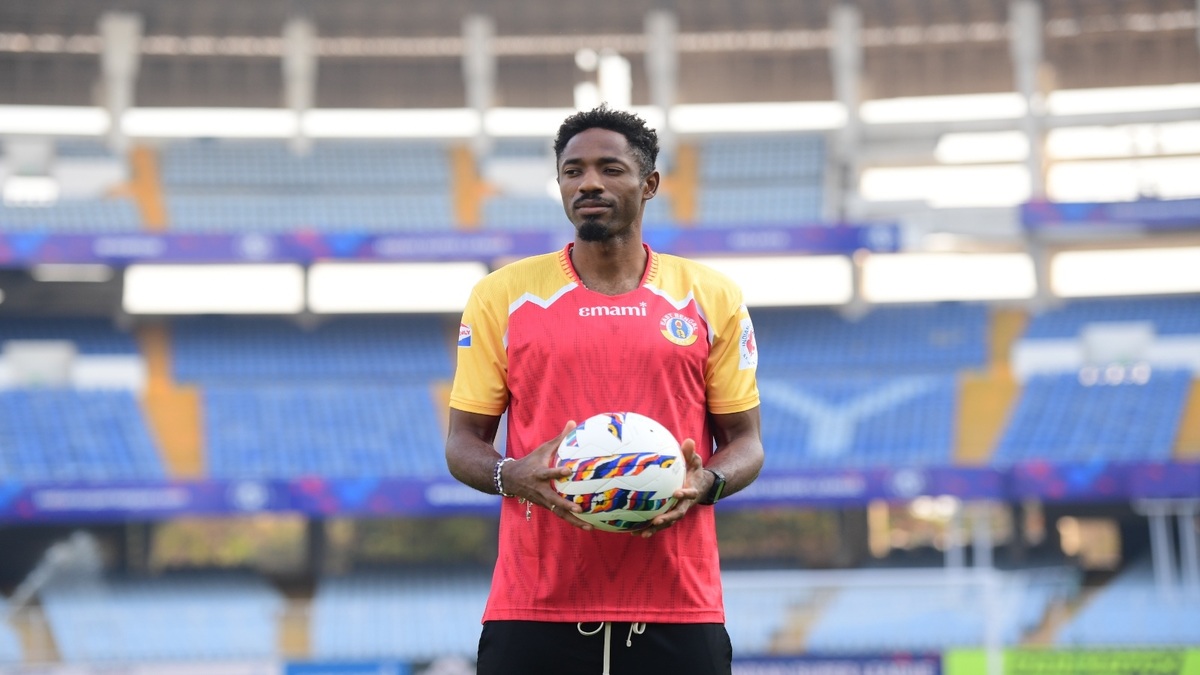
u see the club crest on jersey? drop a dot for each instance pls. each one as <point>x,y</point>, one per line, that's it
<point>464,335</point>
<point>680,329</point>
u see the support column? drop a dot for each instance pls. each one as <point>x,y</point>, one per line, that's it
<point>846,59</point>
<point>981,553</point>
<point>479,74</point>
<point>299,75</point>
<point>121,37</point>
<point>1162,548</point>
<point>662,70</point>
<point>1189,549</point>
<point>1026,50</point>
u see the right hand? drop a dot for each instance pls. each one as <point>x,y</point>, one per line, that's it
<point>531,479</point>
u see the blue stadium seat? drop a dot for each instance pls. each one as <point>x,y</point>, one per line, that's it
<point>1175,315</point>
<point>329,166</point>
<point>194,617</point>
<point>1059,419</point>
<point>11,650</point>
<point>932,618</point>
<point>857,421</point>
<point>75,435</point>
<point>412,348</point>
<point>937,337</point>
<point>73,216</point>
<point>1131,611</point>
<point>91,336</point>
<point>281,213</point>
<point>339,186</point>
<point>768,157</point>
<point>331,430</point>
<point>775,179</point>
<point>415,617</point>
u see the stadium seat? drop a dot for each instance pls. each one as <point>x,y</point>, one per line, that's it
<point>943,337</point>
<point>415,616</point>
<point>332,430</point>
<point>857,421</point>
<point>90,336</point>
<point>1175,315</point>
<point>216,349</point>
<point>11,650</point>
<point>72,216</point>
<point>75,435</point>
<point>1059,419</point>
<point>1130,611</point>
<point>194,617</point>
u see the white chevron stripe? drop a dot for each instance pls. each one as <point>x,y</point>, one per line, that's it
<point>540,301</point>
<point>680,304</point>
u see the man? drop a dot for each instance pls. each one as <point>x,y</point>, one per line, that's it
<point>604,325</point>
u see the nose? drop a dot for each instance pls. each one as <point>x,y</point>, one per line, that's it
<point>590,181</point>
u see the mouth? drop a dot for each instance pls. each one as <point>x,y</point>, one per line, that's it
<point>591,207</point>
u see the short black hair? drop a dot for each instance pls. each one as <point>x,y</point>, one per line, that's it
<point>643,141</point>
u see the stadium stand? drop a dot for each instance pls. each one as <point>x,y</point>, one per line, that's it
<point>90,336</point>
<point>919,338</point>
<point>214,349</point>
<point>72,216</point>
<point>1058,418</point>
<point>1131,611</point>
<point>857,421</point>
<point>201,617</point>
<point>906,618</point>
<point>757,607</point>
<point>328,166</point>
<point>332,430</point>
<point>75,435</point>
<point>362,213</point>
<point>352,397</point>
<point>398,615</point>
<point>1176,315</point>
<point>772,179</point>
<point>339,186</point>
<point>10,643</point>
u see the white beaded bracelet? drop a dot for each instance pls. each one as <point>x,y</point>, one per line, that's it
<point>498,479</point>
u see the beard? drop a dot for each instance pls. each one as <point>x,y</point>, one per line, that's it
<point>593,230</point>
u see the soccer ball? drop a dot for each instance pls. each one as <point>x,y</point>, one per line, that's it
<point>625,467</point>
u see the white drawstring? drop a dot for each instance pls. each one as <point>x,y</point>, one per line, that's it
<point>638,627</point>
<point>635,627</point>
<point>607,626</point>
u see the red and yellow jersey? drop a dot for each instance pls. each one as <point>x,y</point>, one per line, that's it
<point>538,344</point>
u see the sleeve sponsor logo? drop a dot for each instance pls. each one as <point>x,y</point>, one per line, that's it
<point>747,347</point>
<point>464,335</point>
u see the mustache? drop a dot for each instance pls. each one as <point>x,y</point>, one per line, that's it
<point>590,201</point>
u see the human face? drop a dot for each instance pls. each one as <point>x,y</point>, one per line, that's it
<point>602,190</point>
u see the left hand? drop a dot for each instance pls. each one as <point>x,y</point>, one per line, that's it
<point>693,482</point>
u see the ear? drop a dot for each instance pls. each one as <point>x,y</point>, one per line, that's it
<point>650,186</point>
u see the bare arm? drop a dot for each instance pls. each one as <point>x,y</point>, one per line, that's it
<point>738,455</point>
<point>470,451</point>
<point>739,451</point>
<point>471,457</point>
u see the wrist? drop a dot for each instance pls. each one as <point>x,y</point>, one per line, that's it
<point>498,476</point>
<point>716,488</point>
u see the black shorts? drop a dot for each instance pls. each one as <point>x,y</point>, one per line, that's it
<point>545,648</point>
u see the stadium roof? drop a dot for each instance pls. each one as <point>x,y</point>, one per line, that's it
<point>385,54</point>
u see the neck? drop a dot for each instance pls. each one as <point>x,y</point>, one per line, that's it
<point>609,268</point>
